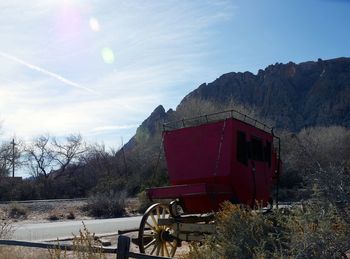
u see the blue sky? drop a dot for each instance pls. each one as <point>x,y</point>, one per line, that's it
<point>99,68</point>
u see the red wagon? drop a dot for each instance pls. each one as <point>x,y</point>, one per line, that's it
<point>225,156</point>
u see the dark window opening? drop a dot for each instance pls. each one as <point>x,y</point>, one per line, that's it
<point>268,153</point>
<point>256,149</point>
<point>242,154</point>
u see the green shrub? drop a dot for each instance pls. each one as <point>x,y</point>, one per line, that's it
<point>107,205</point>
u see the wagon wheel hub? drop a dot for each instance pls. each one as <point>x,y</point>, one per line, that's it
<point>165,236</point>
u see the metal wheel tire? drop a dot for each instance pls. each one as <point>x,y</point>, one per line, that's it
<point>155,239</point>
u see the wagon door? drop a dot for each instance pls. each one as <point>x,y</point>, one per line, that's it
<point>259,170</point>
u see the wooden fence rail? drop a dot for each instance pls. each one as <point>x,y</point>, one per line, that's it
<point>122,250</point>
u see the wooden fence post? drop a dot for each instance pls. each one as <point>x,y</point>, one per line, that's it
<point>123,247</point>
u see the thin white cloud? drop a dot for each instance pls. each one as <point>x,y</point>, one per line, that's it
<point>156,63</point>
<point>46,72</point>
<point>83,116</point>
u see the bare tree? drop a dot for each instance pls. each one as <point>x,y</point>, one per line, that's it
<point>327,146</point>
<point>5,160</point>
<point>195,107</point>
<point>10,156</point>
<point>40,156</point>
<point>66,152</point>
<point>48,154</point>
<point>322,155</point>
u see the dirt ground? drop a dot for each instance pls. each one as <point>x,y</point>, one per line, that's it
<point>48,211</point>
<point>45,211</point>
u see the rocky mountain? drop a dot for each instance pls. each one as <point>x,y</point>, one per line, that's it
<point>291,95</point>
<point>148,128</point>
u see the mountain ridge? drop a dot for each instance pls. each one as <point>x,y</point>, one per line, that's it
<point>324,84</point>
<point>293,96</point>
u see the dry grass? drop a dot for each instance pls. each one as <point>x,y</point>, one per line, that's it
<point>107,205</point>
<point>23,253</point>
<point>313,231</point>
<point>55,214</point>
<point>17,211</point>
<point>70,215</point>
<point>42,211</point>
<point>36,253</point>
<point>11,252</point>
<point>6,228</point>
<point>143,202</point>
<point>85,246</point>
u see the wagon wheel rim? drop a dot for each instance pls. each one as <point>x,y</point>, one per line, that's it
<point>155,239</point>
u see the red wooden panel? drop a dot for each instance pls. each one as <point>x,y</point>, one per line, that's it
<point>196,198</point>
<point>178,191</point>
<point>199,154</point>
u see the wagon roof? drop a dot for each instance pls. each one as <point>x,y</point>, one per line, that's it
<point>215,117</point>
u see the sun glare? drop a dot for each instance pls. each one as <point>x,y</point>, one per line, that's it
<point>94,24</point>
<point>107,55</point>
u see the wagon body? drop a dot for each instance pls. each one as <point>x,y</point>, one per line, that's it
<point>209,163</point>
<point>226,156</point>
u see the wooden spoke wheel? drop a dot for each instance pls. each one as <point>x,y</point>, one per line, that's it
<point>155,239</point>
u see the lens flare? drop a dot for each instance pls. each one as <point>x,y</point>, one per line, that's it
<point>107,55</point>
<point>94,24</point>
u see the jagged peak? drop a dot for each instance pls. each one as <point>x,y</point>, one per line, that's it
<point>158,109</point>
<point>158,113</point>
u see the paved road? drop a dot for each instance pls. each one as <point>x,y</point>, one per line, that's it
<point>54,230</point>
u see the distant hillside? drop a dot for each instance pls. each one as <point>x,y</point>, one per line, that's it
<point>291,95</point>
